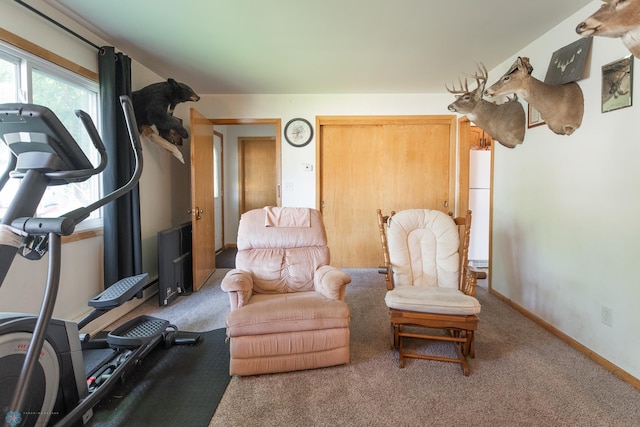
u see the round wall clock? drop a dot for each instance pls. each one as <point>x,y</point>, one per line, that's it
<point>298,132</point>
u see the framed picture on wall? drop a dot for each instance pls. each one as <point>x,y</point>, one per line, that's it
<point>534,118</point>
<point>617,84</point>
<point>568,63</point>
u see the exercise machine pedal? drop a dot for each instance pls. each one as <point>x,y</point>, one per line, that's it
<point>120,292</point>
<point>141,331</point>
<point>114,296</point>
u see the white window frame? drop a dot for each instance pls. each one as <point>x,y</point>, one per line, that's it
<point>27,64</point>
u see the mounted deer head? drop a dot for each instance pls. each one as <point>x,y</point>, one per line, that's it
<point>505,122</point>
<point>615,19</point>
<point>561,106</point>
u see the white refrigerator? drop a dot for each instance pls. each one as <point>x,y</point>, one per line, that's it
<point>479,202</point>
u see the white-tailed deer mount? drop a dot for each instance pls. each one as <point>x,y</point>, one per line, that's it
<point>505,123</point>
<point>561,106</point>
<point>615,19</point>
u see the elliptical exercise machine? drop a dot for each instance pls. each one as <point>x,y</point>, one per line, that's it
<point>45,377</point>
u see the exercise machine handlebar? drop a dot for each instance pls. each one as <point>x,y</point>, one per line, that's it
<point>80,214</point>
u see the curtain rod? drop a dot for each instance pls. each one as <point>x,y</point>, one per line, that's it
<point>37,12</point>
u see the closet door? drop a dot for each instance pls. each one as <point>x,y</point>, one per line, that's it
<point>391,163</point>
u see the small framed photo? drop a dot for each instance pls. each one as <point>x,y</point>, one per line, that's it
<point>534,118</point>
<point>617,84</point>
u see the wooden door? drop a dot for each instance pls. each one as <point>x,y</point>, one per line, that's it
<point>391,163</point>
<point>257,173</point>
<point>202,211</point>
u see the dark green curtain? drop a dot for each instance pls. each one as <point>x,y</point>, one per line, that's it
<point>122,236</point>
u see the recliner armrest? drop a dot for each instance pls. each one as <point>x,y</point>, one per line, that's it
<point>239,285</point>
<point>331,282</point>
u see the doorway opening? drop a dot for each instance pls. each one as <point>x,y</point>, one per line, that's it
<point>238,134</point>
<point>475,192</point>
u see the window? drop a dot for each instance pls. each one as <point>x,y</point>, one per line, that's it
<point>30,79</point>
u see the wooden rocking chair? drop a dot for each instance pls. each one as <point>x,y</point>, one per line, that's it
<point>428,281</point>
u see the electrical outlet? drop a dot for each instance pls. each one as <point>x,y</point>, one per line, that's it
<point>607,316</point>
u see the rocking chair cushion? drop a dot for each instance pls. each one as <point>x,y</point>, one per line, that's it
<point>423,249</point>
<point>425,299</point>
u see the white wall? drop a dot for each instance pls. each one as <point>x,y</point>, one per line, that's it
<point>565,228</point>
<point>286,107</point>
<point>163,187</point>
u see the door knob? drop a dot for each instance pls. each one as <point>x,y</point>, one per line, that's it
<point>197,212</point>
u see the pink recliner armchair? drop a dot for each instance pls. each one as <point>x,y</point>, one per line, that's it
<point>287,304</point>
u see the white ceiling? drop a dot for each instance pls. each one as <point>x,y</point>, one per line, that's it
<point>328,46</point>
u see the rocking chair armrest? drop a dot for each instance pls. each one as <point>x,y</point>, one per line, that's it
<point>239,285</point>
<point>331,282</point>
<point>480,274</point>
<point>469,280</point>
<point>386,270</point>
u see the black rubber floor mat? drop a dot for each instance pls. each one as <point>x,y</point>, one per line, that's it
<point>179,386</point>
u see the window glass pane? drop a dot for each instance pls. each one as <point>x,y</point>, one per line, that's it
<point>8,80</point>
<point>63,98</point>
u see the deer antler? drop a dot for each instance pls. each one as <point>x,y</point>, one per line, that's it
<point>481,79</point>
<point>463,89</point>
<point>480,76</point>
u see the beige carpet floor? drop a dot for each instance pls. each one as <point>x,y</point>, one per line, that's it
<point>522,375</point>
